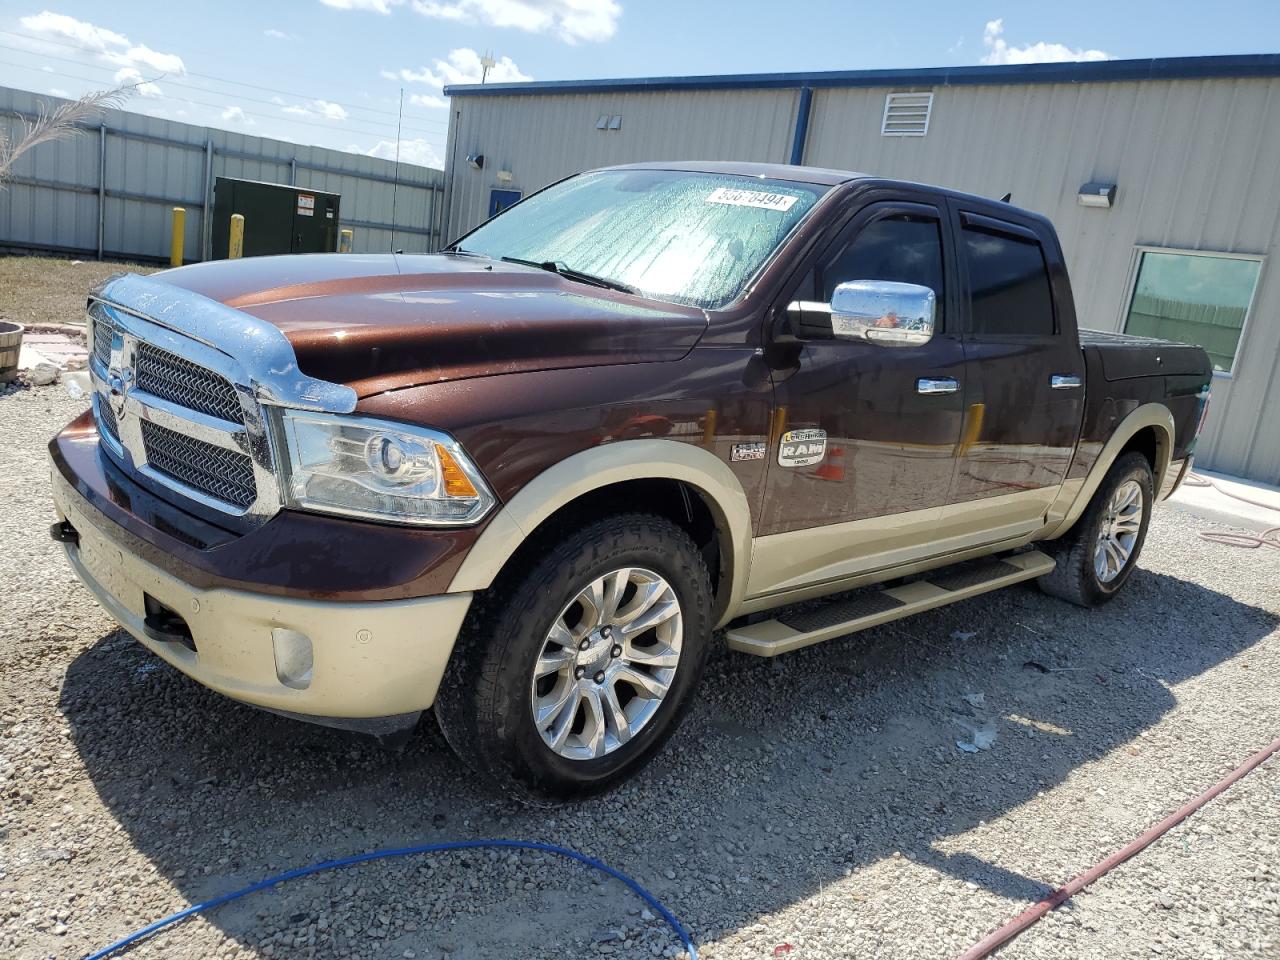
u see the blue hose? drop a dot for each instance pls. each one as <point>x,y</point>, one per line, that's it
<point>638,890</point>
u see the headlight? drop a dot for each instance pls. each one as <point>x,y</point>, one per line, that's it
<point>362,467</point>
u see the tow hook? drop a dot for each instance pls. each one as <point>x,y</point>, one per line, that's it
<point>64,532</point>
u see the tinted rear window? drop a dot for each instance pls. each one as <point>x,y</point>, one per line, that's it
<point>1008,285</point>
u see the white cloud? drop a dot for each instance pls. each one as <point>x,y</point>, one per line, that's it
<point>462,66</point>
<point>370,6</point>
<point>416,151</point>
<point>132,77</point>
<point>330,111</point>
<point>236,114</point>
<point>144,56</point>
<point>999,51</point>
<point>274,34</point>
<point>429,100</point>
<point>572,20</point>
<point>317,108</point>
<point>107,46</point>
<point>85,34</point>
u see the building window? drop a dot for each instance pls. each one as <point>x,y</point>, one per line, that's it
<point>1200,298</point>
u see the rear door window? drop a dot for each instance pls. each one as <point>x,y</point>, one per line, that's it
<point>1009,291</point>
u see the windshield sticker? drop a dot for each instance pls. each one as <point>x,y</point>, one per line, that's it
<point>780,202</point>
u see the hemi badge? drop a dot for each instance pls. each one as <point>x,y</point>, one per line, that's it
<point>749,451</point>
<point>802,448</point>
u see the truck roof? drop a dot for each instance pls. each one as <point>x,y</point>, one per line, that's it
<point>823,176</point>
<point>774,171</point>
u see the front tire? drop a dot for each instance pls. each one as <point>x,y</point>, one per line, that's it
<point>1097,556</point>
<point>571,674</point>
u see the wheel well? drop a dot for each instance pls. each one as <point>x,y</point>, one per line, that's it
<point>1149,442</point>
<point>681,503</point>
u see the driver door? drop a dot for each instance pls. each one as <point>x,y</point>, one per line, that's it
<point>890,416</point>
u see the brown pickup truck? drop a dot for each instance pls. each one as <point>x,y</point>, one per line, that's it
<point>523,481</point>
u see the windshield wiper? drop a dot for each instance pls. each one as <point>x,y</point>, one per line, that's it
<point>458,251</point>
<point>555,266</point>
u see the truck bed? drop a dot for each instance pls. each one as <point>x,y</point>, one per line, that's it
<point>1125,357</point>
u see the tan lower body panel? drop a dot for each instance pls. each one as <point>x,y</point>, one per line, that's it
<point>839,618</point>
<point>800,560</point>
<point>312,657</point>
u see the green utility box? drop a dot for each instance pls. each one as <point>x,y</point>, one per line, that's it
<point>278,218</point>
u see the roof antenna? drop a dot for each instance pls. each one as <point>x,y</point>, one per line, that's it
<point>1006,198</point>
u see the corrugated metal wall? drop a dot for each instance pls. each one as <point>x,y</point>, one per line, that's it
<point>1194,161</point>
<point>151,165</point>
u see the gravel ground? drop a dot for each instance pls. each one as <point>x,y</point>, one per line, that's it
<point>811,807</point>
<point>52,289</point>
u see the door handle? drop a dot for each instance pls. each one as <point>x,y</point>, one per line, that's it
<point>1064,381</point>
<point>929,385</point>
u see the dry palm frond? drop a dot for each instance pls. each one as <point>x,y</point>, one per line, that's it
<point>61,123</point>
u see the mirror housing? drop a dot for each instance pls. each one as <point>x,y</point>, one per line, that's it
<point>883,312</point>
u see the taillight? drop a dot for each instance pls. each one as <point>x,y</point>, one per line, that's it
<point>1203,397</point>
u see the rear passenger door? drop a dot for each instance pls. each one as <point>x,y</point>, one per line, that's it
<point>1024,373</point>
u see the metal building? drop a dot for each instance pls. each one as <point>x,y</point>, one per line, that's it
<point>1160,175</point>
<point>109,191</point>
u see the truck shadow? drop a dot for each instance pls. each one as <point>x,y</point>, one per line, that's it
<point>785,777</point>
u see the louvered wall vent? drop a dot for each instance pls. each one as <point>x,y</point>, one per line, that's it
<point>906,114</point>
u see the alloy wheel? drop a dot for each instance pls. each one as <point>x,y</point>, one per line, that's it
<point>607,663</point>
<point>1118,532</point>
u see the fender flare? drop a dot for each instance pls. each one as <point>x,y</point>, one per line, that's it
<point>604,466</point>
<point>1071,503</point>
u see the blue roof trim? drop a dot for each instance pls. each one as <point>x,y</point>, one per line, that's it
<point>1104,71</point>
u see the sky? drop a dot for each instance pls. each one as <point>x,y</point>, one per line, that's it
<point>331,72</point>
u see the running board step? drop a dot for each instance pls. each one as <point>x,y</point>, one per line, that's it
<point>839,618</point>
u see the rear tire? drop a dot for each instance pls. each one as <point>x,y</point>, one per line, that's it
<point>1097,556</point>
<point>570,674</point>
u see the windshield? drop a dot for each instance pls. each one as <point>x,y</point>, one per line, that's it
<point>693,238</point>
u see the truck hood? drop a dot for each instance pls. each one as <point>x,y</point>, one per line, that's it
<point>387,321</point>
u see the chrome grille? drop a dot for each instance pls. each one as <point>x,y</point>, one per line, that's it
<point>107,419</point>
<point>184,376</point>
<point>170,377</point>
<point>214,471</point>
<point>102,333</point>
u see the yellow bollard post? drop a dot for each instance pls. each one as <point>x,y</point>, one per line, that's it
<point>709,427</point>
<point>179,237</point>
<point>972,427</point>
<point>779,425</point>
<point>345,239</point>
<point>235,249</point>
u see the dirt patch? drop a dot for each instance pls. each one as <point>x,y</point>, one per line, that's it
<point>48,290</point>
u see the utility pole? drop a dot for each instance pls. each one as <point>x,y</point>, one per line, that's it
<point>395,186</point>
<point>487,63</point>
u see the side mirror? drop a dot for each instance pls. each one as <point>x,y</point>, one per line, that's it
<point>884,312</point>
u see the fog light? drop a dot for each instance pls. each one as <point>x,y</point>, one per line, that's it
<point>293,657</point>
